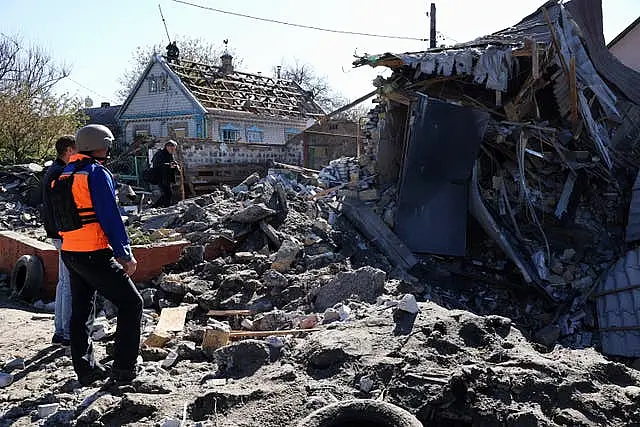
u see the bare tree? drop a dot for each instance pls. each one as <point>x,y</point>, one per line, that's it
<point>317,85</point>
<point>191,49</point>
<point>31,69</point>
<point>32,115</point>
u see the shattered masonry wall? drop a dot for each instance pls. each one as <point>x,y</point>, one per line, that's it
<point>372,128</point>
<point>383,146</point>
<point>203,153</point>
<point>218,162</point>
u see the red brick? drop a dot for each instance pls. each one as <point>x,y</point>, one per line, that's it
<point>13,245</point>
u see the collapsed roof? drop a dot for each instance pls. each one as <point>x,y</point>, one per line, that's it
<point>237,91</point>
<point>568,40</point>
<point>533,131</point>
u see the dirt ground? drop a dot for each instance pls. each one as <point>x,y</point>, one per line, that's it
<point>448,367</point>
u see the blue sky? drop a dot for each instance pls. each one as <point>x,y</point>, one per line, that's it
<point>97,39</point>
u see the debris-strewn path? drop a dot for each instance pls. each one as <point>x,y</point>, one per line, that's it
<point>454,368</point>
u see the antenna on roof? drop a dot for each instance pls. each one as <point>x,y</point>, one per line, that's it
<point>165,23</point>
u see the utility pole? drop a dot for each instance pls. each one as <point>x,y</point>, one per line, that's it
<point>432,35</point>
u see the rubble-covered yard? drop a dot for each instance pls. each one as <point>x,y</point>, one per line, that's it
<point>321,316</point>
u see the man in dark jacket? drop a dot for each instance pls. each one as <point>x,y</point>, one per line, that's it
<point>165,166</point>
<point>65,148</point>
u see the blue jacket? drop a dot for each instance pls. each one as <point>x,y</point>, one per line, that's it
<point>102,186</point>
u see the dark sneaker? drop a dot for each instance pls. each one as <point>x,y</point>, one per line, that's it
<point>60,340</point>
<point>122,376</point>
<point>97,373</point>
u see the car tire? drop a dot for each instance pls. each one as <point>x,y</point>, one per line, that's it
<point>361,412</point>
<point>27,277</point>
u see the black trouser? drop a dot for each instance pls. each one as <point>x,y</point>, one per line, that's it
<point>166,198</point>
<point>98,271</point>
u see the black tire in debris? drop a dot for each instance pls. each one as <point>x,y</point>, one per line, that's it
<point>360,413</point>
<point>27,277</point>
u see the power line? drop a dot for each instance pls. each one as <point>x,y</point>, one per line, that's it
<point>309,27</point>
<point>67,77</point>
<point>90,90</point>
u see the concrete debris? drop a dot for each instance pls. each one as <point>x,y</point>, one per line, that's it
<point>365,283</point>
<point>286,255</point>
<point>5,379</point>
<point>46,410</point>
<point>252,214</point>
<point>170,360</point>
<point>215,336</point>
<point>408,303</point>
<point>242,359</point>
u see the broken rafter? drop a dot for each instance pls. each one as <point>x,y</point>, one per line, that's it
<point>240,100</point>
<point>573,93</point>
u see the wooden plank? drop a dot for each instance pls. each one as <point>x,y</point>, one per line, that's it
<point>573,93</point>
<point>535,61</point>
<point>326,191</point>
<point>295,168</point>
<point>172,319</point>
<point>228,313</point>
<point>378,233</point>
<point>248,334</point>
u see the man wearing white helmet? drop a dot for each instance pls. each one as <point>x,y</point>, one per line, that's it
<point>97,252</point>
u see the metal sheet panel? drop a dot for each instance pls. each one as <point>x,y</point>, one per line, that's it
<point>433,199</point>
<point>618,307</point>
<point>633,224</point>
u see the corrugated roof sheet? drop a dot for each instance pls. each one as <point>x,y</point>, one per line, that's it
<point>586,13</point>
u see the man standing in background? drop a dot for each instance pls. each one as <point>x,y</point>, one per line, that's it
<point>65,148</point>
<point>165,167</point>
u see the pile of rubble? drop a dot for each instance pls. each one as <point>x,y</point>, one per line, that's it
<point>20,194</point>
<point>280,306</point>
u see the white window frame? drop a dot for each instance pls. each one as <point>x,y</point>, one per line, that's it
<point>153,84</point>
<point>229,133</point>
<point>255,134</point>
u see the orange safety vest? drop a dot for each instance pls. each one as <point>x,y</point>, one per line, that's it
<point>90,237</point>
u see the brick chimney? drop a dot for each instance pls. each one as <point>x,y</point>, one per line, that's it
<point>227,63</point>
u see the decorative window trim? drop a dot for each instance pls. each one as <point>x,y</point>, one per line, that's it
<point>174,127</point>
<point>255,134</point>
<point>229,133</point>
<point>158,83</point>
<point>153,84</point>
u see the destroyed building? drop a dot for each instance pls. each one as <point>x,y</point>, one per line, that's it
<point>231,122</point>
<point>532,132</point>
